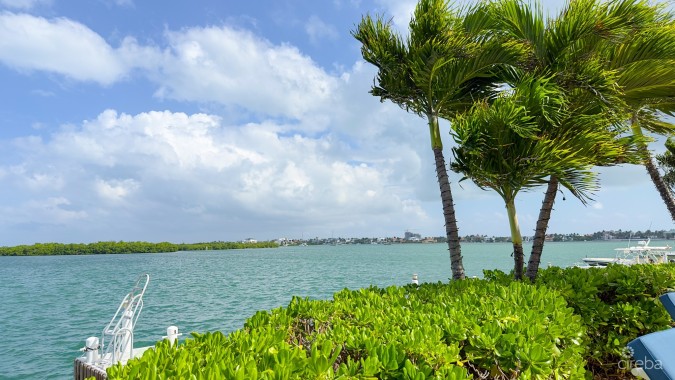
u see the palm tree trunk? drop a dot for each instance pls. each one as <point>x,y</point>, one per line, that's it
<point>517,240</point>
<point>663,190</point>
<point>542,226</point>
<point>451,231</point>
<point>661,187</point>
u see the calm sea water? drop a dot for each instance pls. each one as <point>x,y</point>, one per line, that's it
<point>49,305</point>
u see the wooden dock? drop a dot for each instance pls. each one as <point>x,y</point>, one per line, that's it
<point>84,371</point>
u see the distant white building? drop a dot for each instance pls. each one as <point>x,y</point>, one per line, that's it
<point>249,240</point>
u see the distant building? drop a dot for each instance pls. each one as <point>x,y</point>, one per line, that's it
<point>249,240</point>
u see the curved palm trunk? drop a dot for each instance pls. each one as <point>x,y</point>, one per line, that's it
<point>663,190</point>
<point>451,231</point>
<point>542,226</point>
<point>661,187</point>
<point>517,240</point>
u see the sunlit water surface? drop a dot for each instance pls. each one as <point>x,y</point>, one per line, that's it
<point>49,305</point>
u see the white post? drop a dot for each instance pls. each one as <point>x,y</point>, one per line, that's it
<point>91,350</point>
<point>172,334</point>
<point>415,280</point>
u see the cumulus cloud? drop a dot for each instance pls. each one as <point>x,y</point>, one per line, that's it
<point>66,47</point>
<point>39,180</point>
<point>53,210</point>
<point>169,163</point>
<point>115,190</point>
<point>322,156</point>
<point>236,67</point>
<point>221,65</point>
<point>170,168</point>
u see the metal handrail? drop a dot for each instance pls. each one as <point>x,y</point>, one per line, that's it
<point>124,321</point>
<point>118,346</point>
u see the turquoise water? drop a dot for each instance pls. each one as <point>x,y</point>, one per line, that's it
<point>51,304</point>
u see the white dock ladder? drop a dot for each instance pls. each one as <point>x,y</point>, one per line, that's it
<point>120,331</point>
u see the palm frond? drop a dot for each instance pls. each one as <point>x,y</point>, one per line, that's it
<point>649,120</point>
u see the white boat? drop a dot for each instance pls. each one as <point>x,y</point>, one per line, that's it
<point>116,344</point>
<point>642,253</point>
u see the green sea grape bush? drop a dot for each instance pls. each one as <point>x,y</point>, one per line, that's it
<point>617,304</point>
<point>468,329</point>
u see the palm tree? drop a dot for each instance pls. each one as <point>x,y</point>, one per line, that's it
<point>446,62</point>
<point>520,139</point>
<point>567,50</point>
<point>667,163</point>
<point>645,64</point>
<point>637,39</point>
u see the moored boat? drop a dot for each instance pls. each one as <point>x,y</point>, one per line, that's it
<point>642,253</point>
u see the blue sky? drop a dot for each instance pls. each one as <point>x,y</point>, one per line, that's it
<point>221,120</point>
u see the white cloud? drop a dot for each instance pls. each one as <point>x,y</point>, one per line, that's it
<point>38,180</point>
<point>335,160</point>
<point>116,190</point>
<point>173,170</point>
<point>318,30</point>
<point>61,46</point>
<point>52,210</point>
<point>169,140</point>
<point>237,68</point>
<point>413,208</point>
<point>212,65</point>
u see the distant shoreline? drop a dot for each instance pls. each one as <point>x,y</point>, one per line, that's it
<point>107,248</point>
<point>111,247</point>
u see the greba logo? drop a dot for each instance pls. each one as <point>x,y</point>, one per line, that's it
<point>627,361</point>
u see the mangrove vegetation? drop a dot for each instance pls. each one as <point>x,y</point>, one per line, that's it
<point>112,247</point>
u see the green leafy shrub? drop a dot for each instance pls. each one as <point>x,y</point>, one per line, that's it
<point>462,330</point>
<point>617,304</point>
